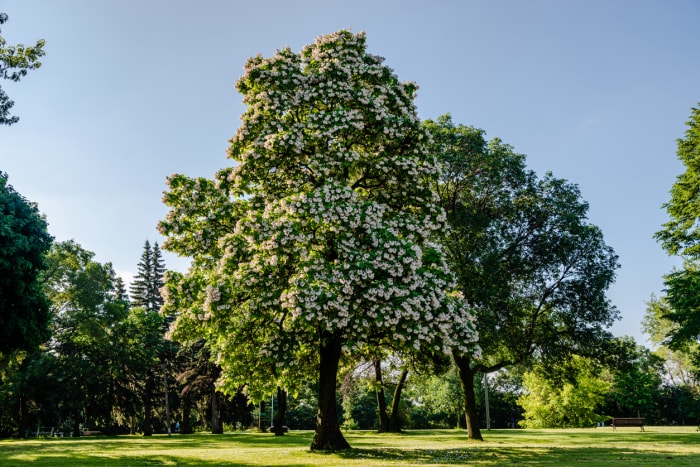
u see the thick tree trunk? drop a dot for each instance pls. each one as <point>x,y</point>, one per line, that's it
<point>381,399</point>
<point>395,418</point>
<point>281,412</point>
<point>328,436</point>
<point>466,377</point>
<point>217,427</point>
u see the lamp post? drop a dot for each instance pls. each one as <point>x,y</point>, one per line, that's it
<point>486,401</point>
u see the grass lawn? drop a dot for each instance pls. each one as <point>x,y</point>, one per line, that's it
<point>677,446</point>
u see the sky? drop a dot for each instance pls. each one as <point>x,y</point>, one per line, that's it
<point>131,91</point>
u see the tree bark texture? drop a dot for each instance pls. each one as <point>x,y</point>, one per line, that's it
<point>466,378</point>
<point>381,399</point>
<point>395,418</point>
<point>281,412</point>
<point>217,427</point>
<point>328,436</point>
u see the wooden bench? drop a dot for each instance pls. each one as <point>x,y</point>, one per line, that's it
<point>618,422</point>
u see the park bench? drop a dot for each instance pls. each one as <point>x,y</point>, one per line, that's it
<point>618,422</point>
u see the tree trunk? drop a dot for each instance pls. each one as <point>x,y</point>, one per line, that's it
<point>328,436</point>
<point>23,417</point>
<point>76,426</point>
<point>217,427</point>
<point>381,399</point>
<point>261,412</point>
<point>281,412</point>
<point>148,404</point>
<point>167,400</point>
<point>109,409</point>
<point>186,426</point>
<point>466,377</point>
<point>395,418</point>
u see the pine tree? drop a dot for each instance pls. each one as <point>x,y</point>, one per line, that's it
<point>120,290</point>
<point>155,299</point>
<point>145,290</point>
<point>141,286</point>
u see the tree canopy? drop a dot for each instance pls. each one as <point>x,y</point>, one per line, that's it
<point>24,240</point>
<point>15,61</point>
<point>318,240</point>
<point>681,236</point>
<point>525,257</point>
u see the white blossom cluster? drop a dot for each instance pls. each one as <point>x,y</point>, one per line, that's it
<point>324,223</point>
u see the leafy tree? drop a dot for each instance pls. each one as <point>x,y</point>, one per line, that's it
<point>103,349</point>
<point>525,257</point>
<point>569,397</point>
<point>317,241</point>
<point>636,378</point>
<point>681,236</point>
<point>24,240</point>
<point>15,61</point>
<point>437,401</point>
<point>680,367</point>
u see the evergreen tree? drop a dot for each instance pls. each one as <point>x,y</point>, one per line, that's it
<point>155,299</point>
<point>140,287</point>
<point>145,290</point>
<point>120,293</point>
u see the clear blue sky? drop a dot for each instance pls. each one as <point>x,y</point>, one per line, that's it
<point>130,91</point>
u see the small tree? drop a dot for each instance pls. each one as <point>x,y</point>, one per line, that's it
<point>570,396</point>
<point>317,242</point>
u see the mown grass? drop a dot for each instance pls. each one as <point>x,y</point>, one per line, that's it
<point>677,446</point>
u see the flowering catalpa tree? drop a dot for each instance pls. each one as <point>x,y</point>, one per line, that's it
<point>316,243</point>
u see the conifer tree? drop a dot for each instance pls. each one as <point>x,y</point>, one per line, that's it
<point>140,287</point>
<point>155,299</point>
<point>145,290</point>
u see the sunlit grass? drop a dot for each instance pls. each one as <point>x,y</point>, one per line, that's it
<point>656,446</point>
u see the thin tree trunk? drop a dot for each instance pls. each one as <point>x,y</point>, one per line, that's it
<point>23,417</point>
<point>381,399</point>
<point>167,400</point>
<point>186,425</point>
<point>328,436</point>
<point>395,418</point>
<point>148,404</point>
<point>466,377</point>
<point>281,412</point>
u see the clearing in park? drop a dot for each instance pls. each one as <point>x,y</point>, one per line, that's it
<point>677,446</point>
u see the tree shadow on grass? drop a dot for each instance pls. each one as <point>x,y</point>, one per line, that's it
<point>501,455</point>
